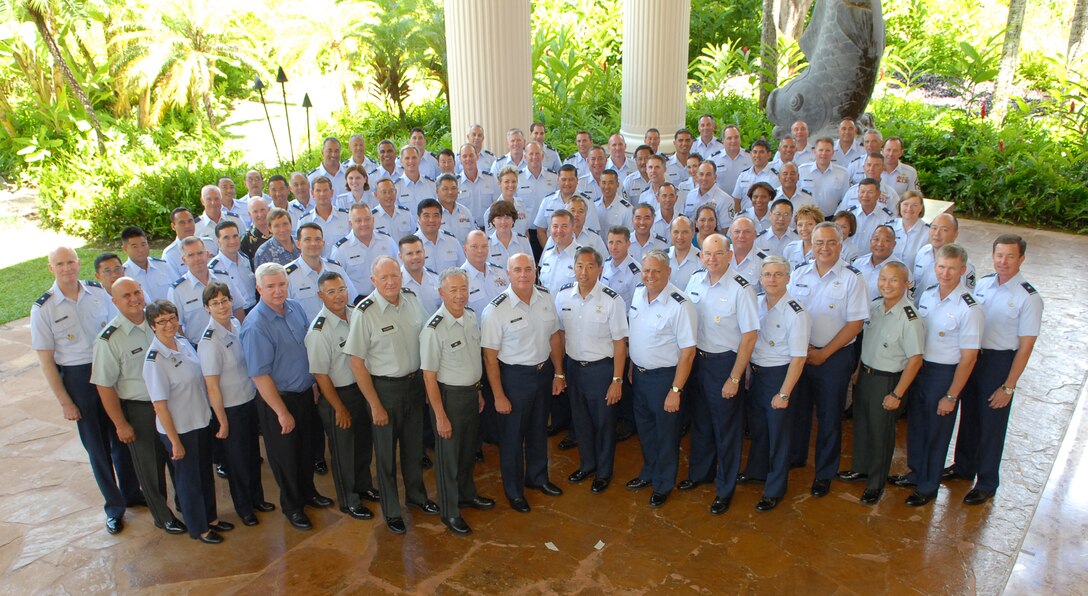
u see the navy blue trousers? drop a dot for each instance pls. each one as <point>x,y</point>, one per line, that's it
<point>822,387</point>
<point>928,434</point>
<point>981,439</point>
<point>111,463</point>
<point>768,453</point>
<point>523,442</point>
<point>658,430</point>
<point>726,417</point>
<point>702,453</point>
<point>193,479</point>
<point>242,453</point>
<point>593,419</point>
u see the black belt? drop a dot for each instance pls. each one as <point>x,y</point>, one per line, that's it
<point>526,367</point>
<point>989,351</point>
<point>73,366</point>
<point>705,354</point>
<point>757,368</point>
<point>592,362</point>
<point>449,387</point>
<point>406,377</point>
<point>306,393</point>
<point>880,373</point>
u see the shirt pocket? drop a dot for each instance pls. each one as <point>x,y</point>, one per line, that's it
<point>66,331</point>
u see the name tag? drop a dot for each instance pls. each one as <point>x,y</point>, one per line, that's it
<point>387,329</point>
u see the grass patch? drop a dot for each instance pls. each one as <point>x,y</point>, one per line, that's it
<point>21,284</point>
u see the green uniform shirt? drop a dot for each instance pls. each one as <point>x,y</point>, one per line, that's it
<point>118,360</point>
<point>892,337</point>
<point>387,336</point>
<point>325,348</point>
<point>452,348</point>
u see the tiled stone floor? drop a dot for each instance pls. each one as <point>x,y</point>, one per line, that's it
<point>52,539</point>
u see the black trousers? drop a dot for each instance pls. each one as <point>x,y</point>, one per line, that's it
<point>242,453</point>
<point>194,479</point>
<point>289,455</point>
<point>523,446</point>
<point>149,458</point>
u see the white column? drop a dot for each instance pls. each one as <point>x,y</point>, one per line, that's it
<point>488,52</point>
<point>655,68</point>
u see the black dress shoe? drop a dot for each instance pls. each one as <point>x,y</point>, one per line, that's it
<point>481,503</point>
<point>851,476</point>
<point>568,442</point>
<point>320,467</point>
<point>624,434</point>
<point>746,479</point>
<point>174,526</point>
<point>555,430</point>
<point>396,525</point>
<point>320,502</point>
<point>637,484</point>
<point>658,499</point>
<point>428,507</point>
<point>902,481</point>
<point>220,470</point>
<point>264,507</point>
<point>820,488</point>
<point>372,495</point>
<point>479,457</point>
<point>426,463</point>
<point>457,525</point>
<point>977,497</point>
<point>950,473</point>
<point>300,520</point>
<point>767,503</point>
<point>358,512</point>
<point>871,496</point>
<point>251,520</point>
<point>600,484</point>
<point>114,525</point>
<point>917,499</point>
<point>222,526</point>
<point>520,505</point>
<point>687,484</point>
<point>578,476</point>
<point>549,489</point>
<point>210,538</point>
<point>720,505</point>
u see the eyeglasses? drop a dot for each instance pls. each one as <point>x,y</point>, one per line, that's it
<point>774,274</point>
<point>166,320</point>
<point>219,302</point>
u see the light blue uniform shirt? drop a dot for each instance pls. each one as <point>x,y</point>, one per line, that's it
<point>783,332</point>
<point>174,376</point>
<point>220,351</point>
<point>274,345</point>
<point>660,329</point>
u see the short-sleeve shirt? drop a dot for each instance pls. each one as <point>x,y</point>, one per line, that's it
<point>172,255</point>
<point>174,376</point>
<point>909,242</point>
<point>864,263</point>
<point>187,294</point>
<point>119,354</point>
<point>623,277</point>
<point>303,287</point>
<point>532,189</point>
<point>240,272</point>
<point>660,329</point>
<point>557,267</point>
<point>832,300</point>
<point>443,252</point>
<point>274,252</point>
<point>953,323</point>
<point>892,337</point>
<point>499,254</point>
<point>398,225</point>
<point>520,332</point>
<point>619,213</point>
<point>772,244</point>
<point>426,289</point>
<point>357,258</point>
<point>67,327</point>
<point>325,343</point>
<point>274,345</point>
<point>155,280</point>
<point>1013,310</point>
<point>727,310</point>
<point>459,222</point>
<point>682,271</point>
<point>484,286</point>
<point>718,198</point>
<point>387,336</point>
<point>409,193</point>
<point>783,332</point>
<point>925,276</point>
<point>826,187</point>
<point>220,351</point>
<point>451,347</point>
<point>333,227</point>
<point>592,323</point>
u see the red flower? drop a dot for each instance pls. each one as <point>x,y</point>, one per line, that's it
<point>1001,146</point>
<point>744,50</point>
<point>982,112</point>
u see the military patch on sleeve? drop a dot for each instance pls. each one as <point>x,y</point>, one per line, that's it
<point>609,291</point>
<point>151,355</point>
<point>677,296</point>
<point>291,268</point>
<point>43,298</point>
<point>341,241</point>
<point>208,333</point>
<point>796,306</point>
<point>435,320</point>
<point>1029,288</point>
<point>969,299</point>
<point>107,332</point>
<point>319,322</point>
<point>740,280</point>
<point>365,304</point>
<point>567,286</point>
<point>911,315</point>
<point>499,299</point>
<point>177,282</point>
<point>634,268</point>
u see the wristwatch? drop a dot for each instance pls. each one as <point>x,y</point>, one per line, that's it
<point>783,396</point>
<point>1008,390</point>
<point>675,389</point>
<point>735,380</point>
<point>896,395</point>
<point>950,397</point>
<point>617,379</point>
<point>560,376</point>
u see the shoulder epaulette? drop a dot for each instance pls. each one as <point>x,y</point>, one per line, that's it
<point>661,238</point>
<point>365,304</point>
<point>485,173</point>
<point>435,320</point>
<point>93,284</point>
<point>208,333</point>
<point>633,267</point>
<point>42,299</point>
<point>625,202</point>
<point>341,241</point>
<point>374,210</point>
<point>499,299</point>
<point>313,170</point>
<point>407,290</point>
<point>567,286</point>
<point>198,218</point>
<point>888,211</point>
<point>219,272</point>
<point>748,169</point>
<point>677,296</point>
<point>911,315</point>
<point>291,268</point>
<point>448,234</point>
<point>760,253</point>
<point>428,178</point>
<point>214,261</point>
<point>151,355</point>
<point>469,308</point>
<point>854,269</point>
<point>107,332</point>
<point>609,291</point>
<point>969,299</point>
<point>319,322</point>
<point>342,210</point>
<point>403,208</point>
<point>156,259</point>
<point>740,280</point>
<point>542,288</point>
<point>429,270</point>
<point>1031,289</point>
<point>332,262</point>
<point>177,282</point>
<point>990,275</point>
<point>852,208</point>
<point>762,233</point>
<point>931,287</point>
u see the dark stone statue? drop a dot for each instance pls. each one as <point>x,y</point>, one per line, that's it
<point>843,44</point>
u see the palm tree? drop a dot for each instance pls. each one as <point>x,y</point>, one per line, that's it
<point>175,53</point>
<point>389,41</point>
<point>326,35</point>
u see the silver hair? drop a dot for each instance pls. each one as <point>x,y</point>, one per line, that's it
<point>775,260</point>
<point>452,272</point>
<point>656,253</point>
<point>952,251</point>
<point>379,261</point>
<point>828,224</point>
<point>269,270</point>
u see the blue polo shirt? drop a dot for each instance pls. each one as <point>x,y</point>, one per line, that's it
<point>275,345</point>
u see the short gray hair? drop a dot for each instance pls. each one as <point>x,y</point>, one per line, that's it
<point>952,251</point>
<point>449,272</point>
<point>269,270</point>
<point>774,260</point>
<point>380,260</point>
<point>657,253</point>
<point>831,225</point>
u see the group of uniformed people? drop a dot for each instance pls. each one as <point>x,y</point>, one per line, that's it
<point>607,295</point>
